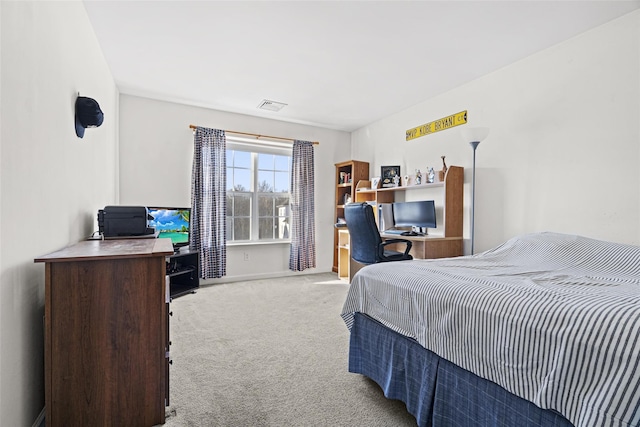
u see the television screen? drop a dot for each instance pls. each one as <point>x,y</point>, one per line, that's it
<point>172,223</point>
<point>415,214</point>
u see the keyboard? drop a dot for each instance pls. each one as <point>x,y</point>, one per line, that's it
<point>392,231</point>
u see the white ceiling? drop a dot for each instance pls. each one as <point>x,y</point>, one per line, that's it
<point>337,64</point>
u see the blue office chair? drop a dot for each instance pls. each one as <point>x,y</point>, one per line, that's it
<point>367,247</point>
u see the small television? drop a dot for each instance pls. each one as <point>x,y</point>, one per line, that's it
<point>171,223</point>
<point>420,214</point>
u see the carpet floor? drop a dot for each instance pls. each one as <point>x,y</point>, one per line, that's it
<point>270,353</point>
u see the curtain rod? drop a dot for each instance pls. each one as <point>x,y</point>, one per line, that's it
<point>258,136</point>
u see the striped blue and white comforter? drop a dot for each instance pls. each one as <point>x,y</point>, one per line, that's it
<point>552,318</point>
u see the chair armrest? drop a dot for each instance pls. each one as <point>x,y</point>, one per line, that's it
<point>386,242</point>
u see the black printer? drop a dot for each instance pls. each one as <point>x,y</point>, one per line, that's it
<point>123,221</point>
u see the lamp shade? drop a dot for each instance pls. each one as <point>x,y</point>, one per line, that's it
<point>474,134</point>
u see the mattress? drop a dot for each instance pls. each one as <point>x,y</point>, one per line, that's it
<point>551,318</point>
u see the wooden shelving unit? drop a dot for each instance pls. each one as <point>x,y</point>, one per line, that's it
<point>448,244</point>
<point>348,174</point>
<point>453,186</point>
<point>344,254</point>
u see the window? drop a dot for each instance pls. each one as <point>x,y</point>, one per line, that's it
<point>257,192</point>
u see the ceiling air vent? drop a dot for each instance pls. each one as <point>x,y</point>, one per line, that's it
<point>271,105</point>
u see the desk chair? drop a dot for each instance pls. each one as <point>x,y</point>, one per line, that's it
<point>367,247</point>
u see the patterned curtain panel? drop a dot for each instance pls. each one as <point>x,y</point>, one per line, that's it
<point>209,202</point>
<point>303,223</point>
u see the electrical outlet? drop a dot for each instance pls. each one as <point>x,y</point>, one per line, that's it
<point>246,256</point>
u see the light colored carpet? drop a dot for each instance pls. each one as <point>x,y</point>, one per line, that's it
<point>270,353</point>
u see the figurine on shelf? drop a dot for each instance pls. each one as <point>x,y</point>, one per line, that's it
<point>396,180</point>
<point>443,172</point>
<point>418,177</point>
<point>431,177</point>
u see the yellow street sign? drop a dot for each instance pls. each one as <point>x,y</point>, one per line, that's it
<point>438,125</point>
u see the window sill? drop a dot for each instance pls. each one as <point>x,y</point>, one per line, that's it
<point>260,243</point>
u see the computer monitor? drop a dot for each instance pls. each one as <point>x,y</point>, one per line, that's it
<point>420,214</point>
<point>172,223</point>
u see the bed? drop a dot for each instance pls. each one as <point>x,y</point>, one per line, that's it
<point>543,330</point>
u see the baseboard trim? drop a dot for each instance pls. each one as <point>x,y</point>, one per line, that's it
<point>39,422</point>
<point>231,279</point>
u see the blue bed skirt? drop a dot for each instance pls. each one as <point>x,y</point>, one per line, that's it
<point>435,391</point>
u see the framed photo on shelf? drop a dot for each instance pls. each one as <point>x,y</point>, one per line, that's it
<point>375,182</point>
<point>390,176</point>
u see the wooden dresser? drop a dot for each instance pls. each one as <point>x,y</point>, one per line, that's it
<point>106,333</point>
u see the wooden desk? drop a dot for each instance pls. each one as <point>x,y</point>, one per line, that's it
<point>106,333</point>
<point>426,247</point>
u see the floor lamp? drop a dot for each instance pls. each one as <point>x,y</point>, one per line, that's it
<point>474,136</point>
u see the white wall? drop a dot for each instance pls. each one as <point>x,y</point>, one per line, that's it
<point>51,182</point>
<point>565,137</point>
<point>156,152</point>
<point>564,146</point>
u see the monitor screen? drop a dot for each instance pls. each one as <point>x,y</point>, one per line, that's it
<point>415,214</point>
<point>172,223</point>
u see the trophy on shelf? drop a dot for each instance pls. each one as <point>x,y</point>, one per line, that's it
<point>431,175</point>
